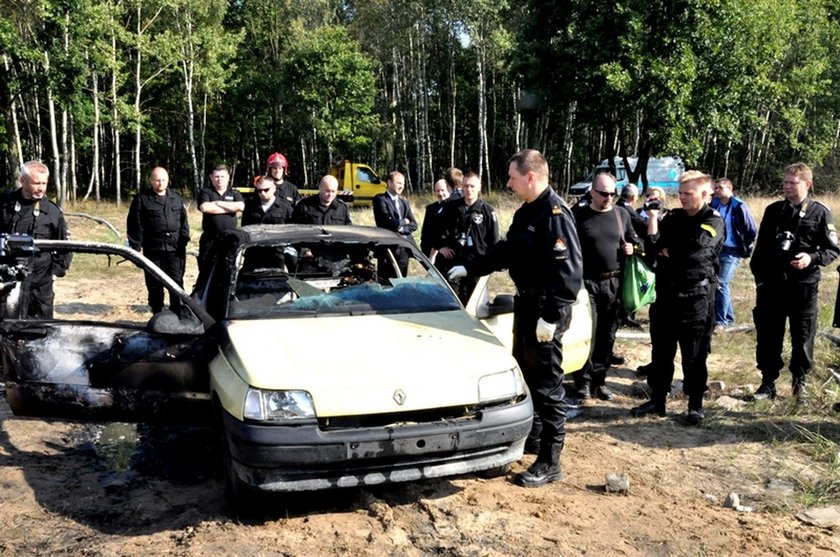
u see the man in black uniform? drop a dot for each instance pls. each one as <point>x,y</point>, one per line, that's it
<point>796,237</point>
<point>606,237</point>
<point>433,231</point>
<point>543,255</point>
<point>324,208</point>
<point>393,212</point>
<point>27,210</point>
<point>685,245</point>
<point>265,207</point>
<point>157,223</point>
<point>470,230</point>
<point>219,206</point>
<point>276,168</point>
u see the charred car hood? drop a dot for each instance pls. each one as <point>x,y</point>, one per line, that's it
<point>370,364</point>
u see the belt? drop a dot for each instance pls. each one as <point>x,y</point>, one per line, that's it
<point>605,276</point>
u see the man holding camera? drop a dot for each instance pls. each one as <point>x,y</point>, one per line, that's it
<point>686,246</point>
<point>796,237</point>
<point>28,210</point>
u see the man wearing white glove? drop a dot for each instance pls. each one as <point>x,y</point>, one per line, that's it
<point>545,330</point>
<point>542,253</point>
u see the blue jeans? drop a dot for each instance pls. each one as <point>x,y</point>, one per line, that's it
<point>724,312</point>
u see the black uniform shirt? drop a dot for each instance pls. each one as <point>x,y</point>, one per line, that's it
<point>693,244</point>
<point>310,211</point>
<point>470,229</point>
<point>158,222</point>
<point>812,231</point>
<point>542,252</point>
<point>216,224</point>
<point>279,212</point>
<point>288,191</point>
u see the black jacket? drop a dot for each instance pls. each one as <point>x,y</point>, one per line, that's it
<point>309,211</point>
<point>386,216</point>
<point>158,222</point>
<point>280,212</point>
<point>19,216</point>
<point>542,252</point>
<point>692,243</point>
<point>812,230</point>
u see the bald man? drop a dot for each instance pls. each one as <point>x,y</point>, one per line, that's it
<point>324,208</point>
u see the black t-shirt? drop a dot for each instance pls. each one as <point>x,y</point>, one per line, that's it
<point>600,240</point>
<point>216,224</point>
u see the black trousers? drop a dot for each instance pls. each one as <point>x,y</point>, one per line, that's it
<point>41,298</point>
<point>540,364</point>
<point>683,319</point>
<point>776,303</point>
<point>604,300</point>
<point>172,263</point>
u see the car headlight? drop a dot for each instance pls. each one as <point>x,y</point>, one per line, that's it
<point>278,406</point>
<point>501,386</point>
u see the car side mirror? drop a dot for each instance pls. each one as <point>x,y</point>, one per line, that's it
<point>501,304</point>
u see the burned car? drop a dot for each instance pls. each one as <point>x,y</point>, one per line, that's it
<point>323,362</point>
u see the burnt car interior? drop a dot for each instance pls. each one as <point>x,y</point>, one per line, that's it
<point>310,278</point>
<point>102,342</point>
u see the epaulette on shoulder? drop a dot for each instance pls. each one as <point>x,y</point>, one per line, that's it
<point>823,205</point>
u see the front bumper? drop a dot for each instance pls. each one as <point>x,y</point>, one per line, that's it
<point>306,458</point>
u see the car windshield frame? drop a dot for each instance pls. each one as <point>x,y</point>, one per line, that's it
<point>334,277</point>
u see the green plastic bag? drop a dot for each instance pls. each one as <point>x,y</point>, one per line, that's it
<point>638,284</point>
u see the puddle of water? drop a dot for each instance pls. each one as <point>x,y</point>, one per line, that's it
<point>115,444</point>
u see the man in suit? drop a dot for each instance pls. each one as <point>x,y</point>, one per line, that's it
<point>393,212</point>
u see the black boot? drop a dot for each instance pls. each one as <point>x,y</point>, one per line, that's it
<point>650,407</point>
<point>695,414</point>
<point>546,469</point>
<point>532,443</point>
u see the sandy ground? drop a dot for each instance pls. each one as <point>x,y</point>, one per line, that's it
<point>65,488</point>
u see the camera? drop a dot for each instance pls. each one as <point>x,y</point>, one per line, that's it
<point>654,204</point>
<point>784,240</point>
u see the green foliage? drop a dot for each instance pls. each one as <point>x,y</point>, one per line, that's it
<point>329,88</point>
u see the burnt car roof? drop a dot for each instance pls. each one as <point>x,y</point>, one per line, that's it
<point>281,233</point>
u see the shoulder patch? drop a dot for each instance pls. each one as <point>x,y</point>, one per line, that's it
<point>560,245</point>
<point>709,228</point>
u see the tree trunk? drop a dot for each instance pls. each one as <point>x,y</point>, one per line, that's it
<point>54,137</point>
<point>18,150</point>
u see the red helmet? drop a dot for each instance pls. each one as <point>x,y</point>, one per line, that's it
<point>277,159</point>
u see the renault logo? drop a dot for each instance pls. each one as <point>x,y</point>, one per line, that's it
<point>399,397</point>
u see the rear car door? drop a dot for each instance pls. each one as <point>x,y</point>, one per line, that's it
<point>104,355</point>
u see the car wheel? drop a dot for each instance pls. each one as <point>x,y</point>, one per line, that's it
<point>234,488</point>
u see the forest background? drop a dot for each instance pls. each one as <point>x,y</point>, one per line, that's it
<point>103,90</point>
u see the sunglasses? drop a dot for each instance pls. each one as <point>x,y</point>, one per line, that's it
<point>605,193</point>
<point>262,191</point>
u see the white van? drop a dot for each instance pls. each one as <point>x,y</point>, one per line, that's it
<point>661,172</point>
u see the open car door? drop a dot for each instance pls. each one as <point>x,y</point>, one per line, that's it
<point>103,355</point>
<point>497,315</point>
